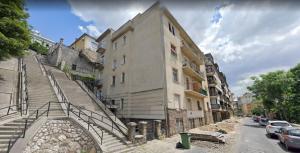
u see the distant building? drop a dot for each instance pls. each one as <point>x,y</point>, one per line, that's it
<point>246,101</point>
<point>221,97</point>
<point>37,37</point>
<point>85,42</point>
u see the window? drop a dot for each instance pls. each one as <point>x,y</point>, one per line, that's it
<point>173,50</point>
<point>171,29</point>
<point>177,101</point>
<point>124,40</point>
<point>124,59</point>
<point>74,67</point>
<point>115,46</point>
<point>199,105</point>
<point>113,82</point>
<point>114,66</point>
<point>123,78</point>
<point>175,75</point>
<point>207,105</point>
<point>122,104</point>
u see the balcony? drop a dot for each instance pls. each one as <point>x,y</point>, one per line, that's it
<point>200,93</point>
<point>192,53</point>
<point>191,70</point>
<point>195,114</point>
<point>215,106</point>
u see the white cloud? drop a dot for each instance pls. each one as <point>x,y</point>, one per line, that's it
<point>248,38</point>
<point>90,29</point>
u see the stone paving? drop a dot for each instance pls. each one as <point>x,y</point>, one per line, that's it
<point>62,136</point>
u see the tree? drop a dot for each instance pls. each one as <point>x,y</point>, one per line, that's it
<point>274,90</point>
<point>37,47</point>
<point>14,30</point>
<point>295,98</point>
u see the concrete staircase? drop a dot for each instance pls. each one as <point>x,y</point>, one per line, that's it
<point>11,131</point>
<point>39,88</point>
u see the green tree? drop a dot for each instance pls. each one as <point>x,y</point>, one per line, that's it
<point>14,30</point>
<point>274,90</point>
<point>37,47</point>
<point>295,98</point>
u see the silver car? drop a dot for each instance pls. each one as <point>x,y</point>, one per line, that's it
<point>290,137</point>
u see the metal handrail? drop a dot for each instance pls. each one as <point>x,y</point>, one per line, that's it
<point>45,109</point>
<point>104,99</point>
<point>64,99</point>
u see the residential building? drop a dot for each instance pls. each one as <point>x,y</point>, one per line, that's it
<point>246,101</point>
<point>221,97</point>
<point>37,37</point>
<point>154,71</point>
<point>85,42</point>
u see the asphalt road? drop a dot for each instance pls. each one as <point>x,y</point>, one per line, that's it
<point>253,139</point>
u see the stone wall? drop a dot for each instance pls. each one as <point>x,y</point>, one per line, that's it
<point>61,135</point>
<point>174,115</point>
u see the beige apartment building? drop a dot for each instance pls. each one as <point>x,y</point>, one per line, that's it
<point>154,71</point>
<point>221,97</point>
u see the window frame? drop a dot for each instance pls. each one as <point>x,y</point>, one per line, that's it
<point>113,81</point>
<point>177,75</point>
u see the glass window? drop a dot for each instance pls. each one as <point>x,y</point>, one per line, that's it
<point>295,132</point>
<point>124,59</point>
<point>279,124</point>
<point>173,50</point>
<point>199,105</point>
<point>123,77</point>
<point>175,75</point>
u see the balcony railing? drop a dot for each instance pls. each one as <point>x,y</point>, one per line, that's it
<point>195,114</point>
<point>194,68</point>
<point>215,106</point>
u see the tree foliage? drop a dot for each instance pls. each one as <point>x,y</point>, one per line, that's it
<point>14,30</point>
<point>37,47</point>
<point>279,92</point>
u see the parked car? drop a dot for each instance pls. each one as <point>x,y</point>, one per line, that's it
<point>290,137</point>
<point>254,117</point>
<point>263,121</point>
<point>274,126</point>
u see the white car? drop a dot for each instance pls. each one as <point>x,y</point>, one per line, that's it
<point>273,127</point>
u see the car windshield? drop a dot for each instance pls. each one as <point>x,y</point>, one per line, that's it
<point>295,132</point>
<point>279,124</point>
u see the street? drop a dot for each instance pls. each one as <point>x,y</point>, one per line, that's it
<point>253,139</point>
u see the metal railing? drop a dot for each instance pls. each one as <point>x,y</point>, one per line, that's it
<point>106,103</point>
<point>215,106</point>
<point>45,109</point>
<point>194,68</point>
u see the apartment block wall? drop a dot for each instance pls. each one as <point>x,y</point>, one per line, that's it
<point>143,89</point>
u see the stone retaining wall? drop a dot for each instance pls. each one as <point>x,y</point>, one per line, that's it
<point>61,135</point>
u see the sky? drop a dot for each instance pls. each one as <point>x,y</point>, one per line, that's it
<point>246,38</point>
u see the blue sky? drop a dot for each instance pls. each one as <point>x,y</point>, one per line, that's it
<point>55,22</point>
<point>246,38</point>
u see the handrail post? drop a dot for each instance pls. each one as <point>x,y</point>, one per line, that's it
<point>88,123</point>
<point>79,112</point>
<point>37,114</point>
<point>8,110</point>
<point>25,128</point>
<point>101,136</point>
<point>48,108</point>
<point>68,109</point>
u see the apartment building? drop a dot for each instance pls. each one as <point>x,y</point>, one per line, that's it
<point>85,42</point>
<point>154,71</point>
<point>38,37</point>
<point>221,97</point>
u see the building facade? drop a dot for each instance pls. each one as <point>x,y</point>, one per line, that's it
<point>154,71</point>
<point>246,101</point>
<point>37,37</point>
<point>221,97</point>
